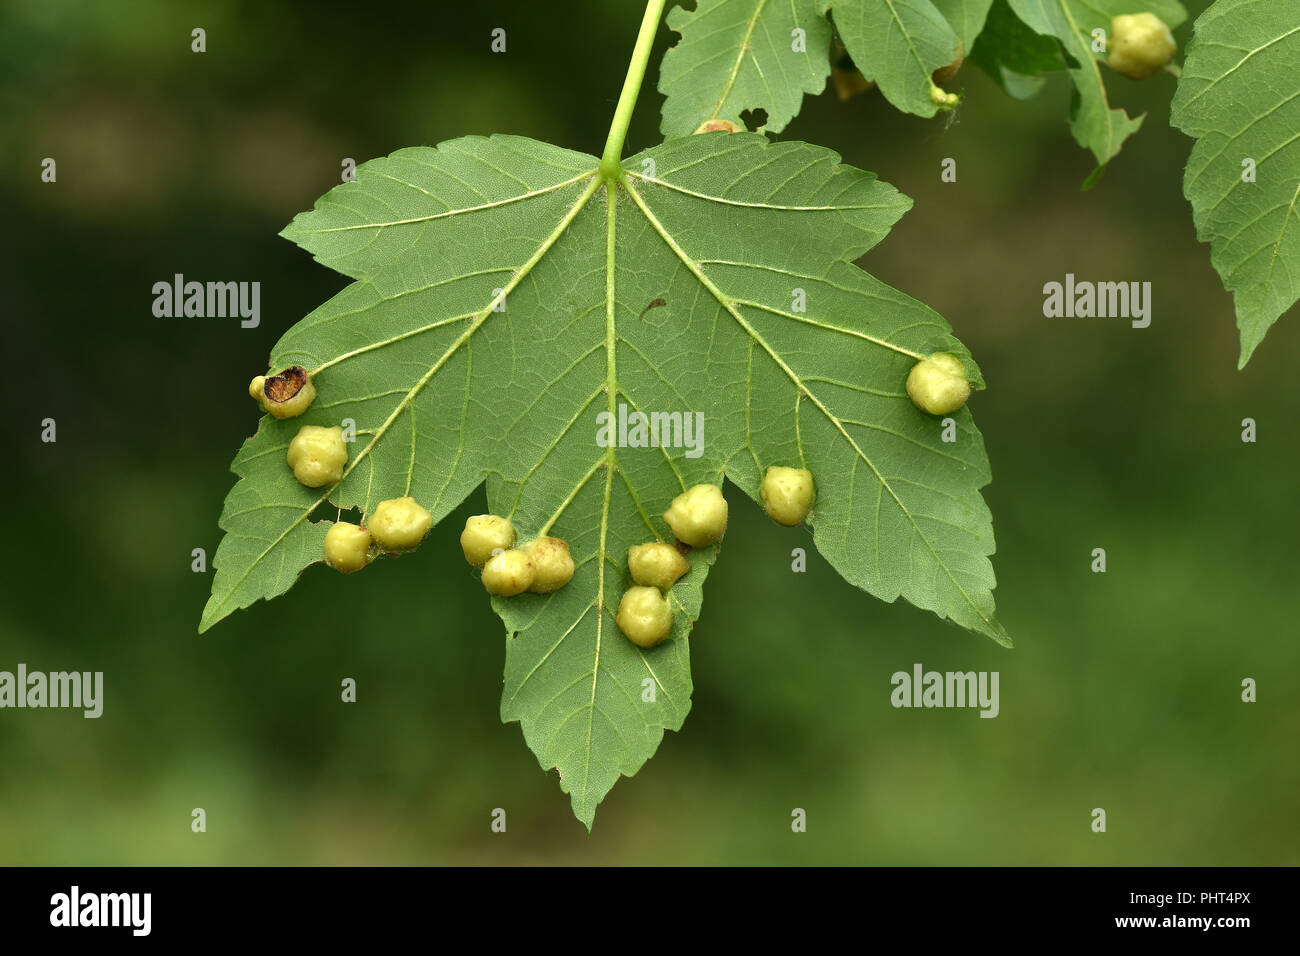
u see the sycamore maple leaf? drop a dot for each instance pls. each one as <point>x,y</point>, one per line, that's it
<point>508,292</point>
<point>1239,96</point>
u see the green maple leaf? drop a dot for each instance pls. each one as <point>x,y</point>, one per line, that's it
<point>1014,55</point>
<point>1094,125</point>
<point>738,55</point>
<point>966,17</point>
<point>898,44</point>
<point>1239,97</point>
<point>508,291</point>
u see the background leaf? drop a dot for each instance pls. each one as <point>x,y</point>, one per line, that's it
<point>966,18</point>
<point>736,55</point>
<point>898,44</point>
<point>1013,54</point>
<point>1094,125</point>
<point>506,296</point>
<point>1239,97</point>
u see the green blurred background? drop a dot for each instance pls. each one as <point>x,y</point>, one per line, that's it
<point>1123,691</point>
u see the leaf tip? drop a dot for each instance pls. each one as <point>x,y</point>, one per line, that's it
<point>209,617</point>
<point>585,814</point>
<point>1094,177</point>
<point>214,612</point>
<point>992,629</point>
<point>1250,339</point>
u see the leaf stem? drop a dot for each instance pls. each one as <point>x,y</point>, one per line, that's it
<point>610,168</point>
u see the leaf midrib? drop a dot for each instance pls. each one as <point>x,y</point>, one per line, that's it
<point>611,387</point>
<point>916,54</point>
<point>730,84</point>
<point>1096,74</point>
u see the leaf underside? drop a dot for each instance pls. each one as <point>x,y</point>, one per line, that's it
<point>505,296</point>
<point>738,55</point>
<point>1239,98</point>
<point>967,18</point>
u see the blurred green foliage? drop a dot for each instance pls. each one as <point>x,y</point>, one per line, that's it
<point>1122,693</point>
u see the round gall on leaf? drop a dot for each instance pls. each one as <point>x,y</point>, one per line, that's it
<point>399,524</point>
<point>552,564</point>
<point>347,547</point>
<point>788,494</point>
<point>644,616</point>
<point>698,516</point>
<point>938,385</point>
<point>508,573</point>
<point>485,534</point>
<point>656,564</point>
<point>1140,45</point>
<point>942,98</point>
<point>317,455</point>
<point>286,395</point>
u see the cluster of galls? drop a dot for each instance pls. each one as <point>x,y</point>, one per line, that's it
<point>397,525</point>
<point>542,566</point>
<point>698,519</point>
<point>937,384</point>
<point>698,516</point>
<point>318,456</point>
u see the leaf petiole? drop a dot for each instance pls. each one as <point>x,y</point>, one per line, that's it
<point>610,168</point>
